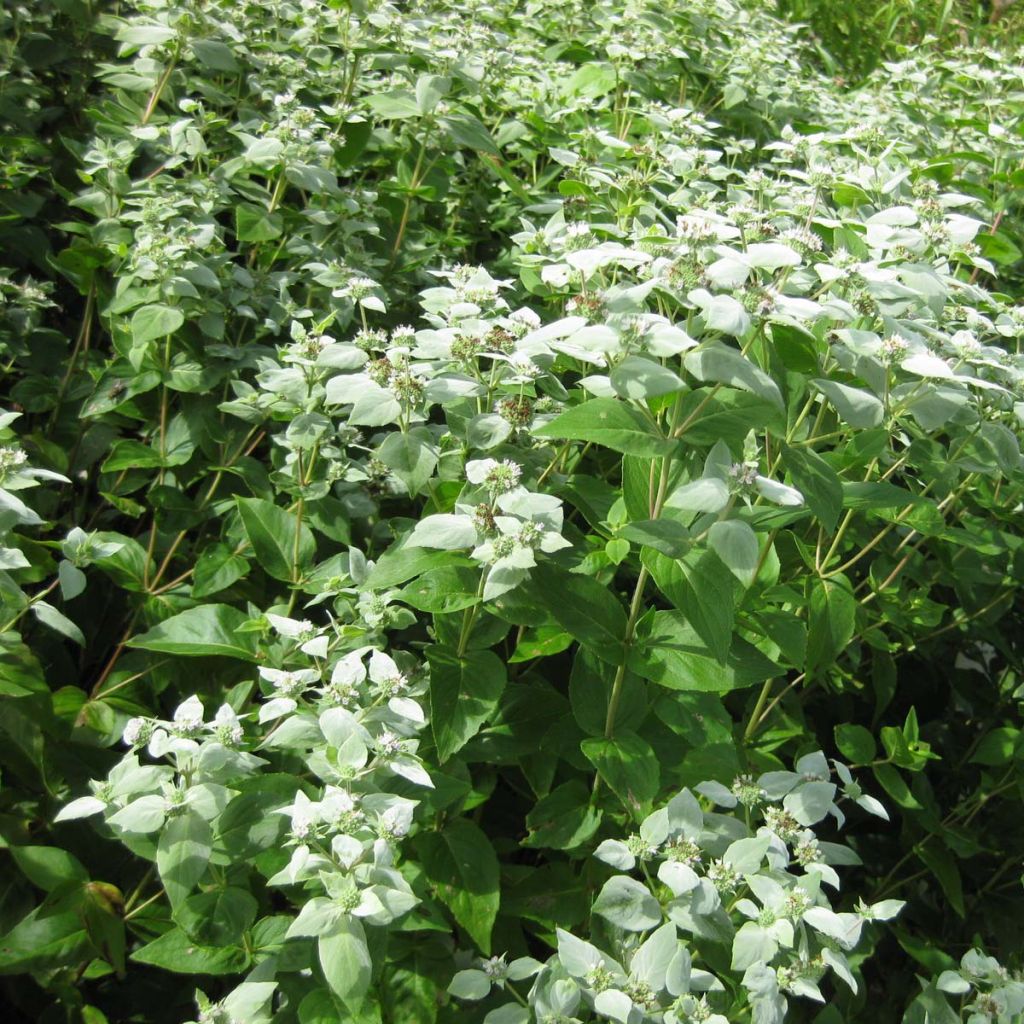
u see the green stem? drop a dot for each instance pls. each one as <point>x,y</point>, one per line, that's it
<point>469,617</point>
<point>620,672</point>
<point>38,597</point>
<point>755,715</point>
<point>161,84</point>
<point>81,346</point>
<point>413,185</point>
<point>297,541</point>
<point>634,607</point>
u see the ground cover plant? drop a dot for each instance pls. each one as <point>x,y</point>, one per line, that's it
<point>508,513</point>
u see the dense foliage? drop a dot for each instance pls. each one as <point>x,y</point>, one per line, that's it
<point>853,39</point>
<point>488,491</point>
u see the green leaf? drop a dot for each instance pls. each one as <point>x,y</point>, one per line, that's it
<point>617,550</point>
<point>470,132</point>
<point>998,747</point>
<point>43,940</point>
<point>831,619</point>
<point>727,416</point>
<point>208,629</point>
<point>583,608</point>
<point>878,494</point>
<point>628,765</point>
<point>638,378</point>
<point>216,569</point>
<point>183,854</point>
<point>639,489</point>
<point>664,535</point>
<point>941,863</point>
<point>703,591</point>
<point>898,750</point>
<point>412,457</point>
<point>855,743</point>
<point>737,546</point>
<point>752,944</point>
<point>306,430</point>
<point>590,689</point>
<point>129,454</point>
<point>214,54</point>
<point>461,864</point>
<point>540,642</point>
<point>152,322</point>
<point>797,348</point>
<point>855,406</point>
<point>628,904</point>
<point>894,784</point>
<point>591,81</point>
<point>247,826</point>
<point>144,35</point>
<point>20,672</point>
<point>271,531</point>
<point>924,951</point>
<point>999,247</point>
<point>46,867</point>
<point>724,365</point>
<point>707,494</point>
<point>400,563</point>
<point>669,652</point>
<point>101,908</point>
<point>470,984</point>
<point>810,802</point>
<point>264,152</point>
<point>464,693</point>
<point>394,105</point>
<point>57,621</point>
<point>256,224</point>
<point>846,194</point>
<point>346,962</point>
<point>430,89</point>
<point>413,992</point>
<point>564,819</point>
<point>732,95</point>
<point>219,917</point>
<point>817,482</point>
<point>611,423</point>
<point>175,951</point>
<point>443,590</point>
<point>747,855</point>
<point>446,531</point>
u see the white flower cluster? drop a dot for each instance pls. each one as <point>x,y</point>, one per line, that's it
<point>763,890</point>
<point>502,522</point>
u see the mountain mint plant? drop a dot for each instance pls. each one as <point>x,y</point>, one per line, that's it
<point>486,493</point>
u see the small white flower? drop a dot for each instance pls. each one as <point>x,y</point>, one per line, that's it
<point>389,744</point>
<point>523,370</point>
<point>303,814</point>
<point>227,727</point>
<point>292,628</point>
<point>188,718</point>
<point>499,477</point>
<point>137,731</point>
<point>524,319</point>
<point>289,683</point>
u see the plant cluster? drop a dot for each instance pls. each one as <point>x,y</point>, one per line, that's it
<point>434,437</point>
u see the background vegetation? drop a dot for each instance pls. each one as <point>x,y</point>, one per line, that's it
<point>856,38</point>
<point>435,436</point>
